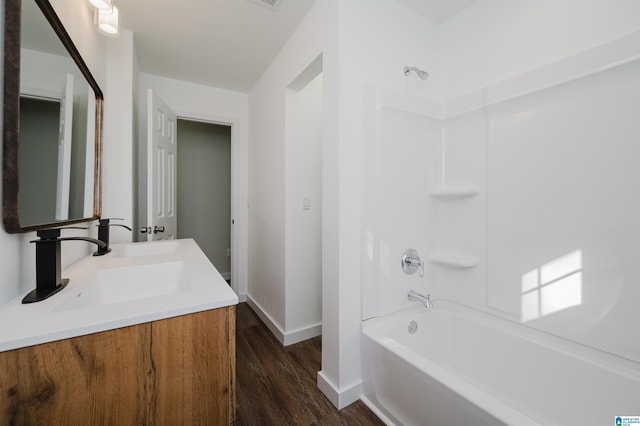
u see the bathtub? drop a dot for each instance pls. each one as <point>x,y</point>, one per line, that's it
<point>463,367</point>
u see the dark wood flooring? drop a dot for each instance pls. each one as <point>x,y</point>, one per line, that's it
<point>277,385</point>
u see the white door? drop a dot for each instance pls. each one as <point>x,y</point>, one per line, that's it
<point>161,170</point>
<point>64,150</point>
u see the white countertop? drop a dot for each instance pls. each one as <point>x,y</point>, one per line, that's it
<point>68,314</point>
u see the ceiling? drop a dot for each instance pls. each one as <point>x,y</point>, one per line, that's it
<point>220,43</point>
<point>437,11</point>
<point>226,43</point>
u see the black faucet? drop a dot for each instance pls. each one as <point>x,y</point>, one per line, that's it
<point>48,269</point>
<point>103,234</point>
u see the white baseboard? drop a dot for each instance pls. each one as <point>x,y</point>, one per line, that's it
<point>285,338</point>
<point>302,334</point>
<point>266,319</point>
<point>242,297</point>
<point>339,398</point>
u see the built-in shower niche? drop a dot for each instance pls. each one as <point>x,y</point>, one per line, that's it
<point>456,196</point>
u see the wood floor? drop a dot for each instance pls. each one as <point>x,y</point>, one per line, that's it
<point>277,385</point>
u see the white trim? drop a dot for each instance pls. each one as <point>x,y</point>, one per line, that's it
<point>266,319</point>
<point>285,338</point>
<point>339,398</point>
<point>40,93</point>
<point>239,227</point>
<point>302,334</point>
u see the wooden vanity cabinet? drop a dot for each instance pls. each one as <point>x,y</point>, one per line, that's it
<point>176,371</point>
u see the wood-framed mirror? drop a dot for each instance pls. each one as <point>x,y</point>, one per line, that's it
<point>52,130</point>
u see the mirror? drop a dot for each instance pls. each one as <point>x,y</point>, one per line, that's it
<point>52,123</point>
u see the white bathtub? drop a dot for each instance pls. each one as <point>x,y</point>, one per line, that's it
<point>463,367</point>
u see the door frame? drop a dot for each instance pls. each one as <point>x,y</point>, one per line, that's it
<point>239,202</point>
<point>235,169</point>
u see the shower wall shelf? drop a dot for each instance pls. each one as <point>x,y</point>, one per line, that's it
<point>448,193</point>
<point>454,260</point>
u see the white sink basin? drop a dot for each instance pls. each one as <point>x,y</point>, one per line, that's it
<point>126,284</point>
<point>135,283</point>
<point>148,249</point>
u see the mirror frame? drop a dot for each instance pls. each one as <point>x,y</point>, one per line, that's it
<point>11,114</point>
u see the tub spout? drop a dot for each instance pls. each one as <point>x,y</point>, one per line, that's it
<point>414,296</point>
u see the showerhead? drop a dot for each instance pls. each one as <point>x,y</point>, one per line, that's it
<point>420,73</point>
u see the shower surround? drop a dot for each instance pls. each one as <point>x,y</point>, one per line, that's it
<point>520,197</point>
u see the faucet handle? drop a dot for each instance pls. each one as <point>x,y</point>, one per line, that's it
<point>411,262</point>
<point>106,220</point>
<point>53,233</point>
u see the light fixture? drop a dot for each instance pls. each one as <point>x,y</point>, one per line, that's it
<point>107,21</point>
<point>101,4</point>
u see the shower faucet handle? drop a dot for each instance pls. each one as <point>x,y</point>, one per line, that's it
<point>411,262</point>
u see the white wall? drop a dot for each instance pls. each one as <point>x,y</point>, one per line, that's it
<point>401,154</point>
<point>44,73</point>
<point>377,39</point>
<point>542,161</point>
<point>373,41</point>
<point>539,122</point>
<point>17,274</point>
<point>317,34</point>
<point>496,39</point>
<point>194,101</point>
<point>118,141</point>
<point>303,225</point>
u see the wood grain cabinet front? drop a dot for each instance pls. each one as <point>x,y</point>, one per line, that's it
<point>175,371</point>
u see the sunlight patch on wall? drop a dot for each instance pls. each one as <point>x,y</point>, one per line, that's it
<point>552,287</point>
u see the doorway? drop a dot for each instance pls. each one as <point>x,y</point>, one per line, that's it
<point>204,189</point>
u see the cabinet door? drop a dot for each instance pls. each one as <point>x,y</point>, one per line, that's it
<point>84,380</point>
<point>175,371</point>
<point>194,359</point>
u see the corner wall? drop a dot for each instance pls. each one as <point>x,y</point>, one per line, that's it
<point>317,35</point>
<point>361,42</point>
<point>377,39</point>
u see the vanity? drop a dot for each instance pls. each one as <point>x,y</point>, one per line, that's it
<point>142,335</point>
